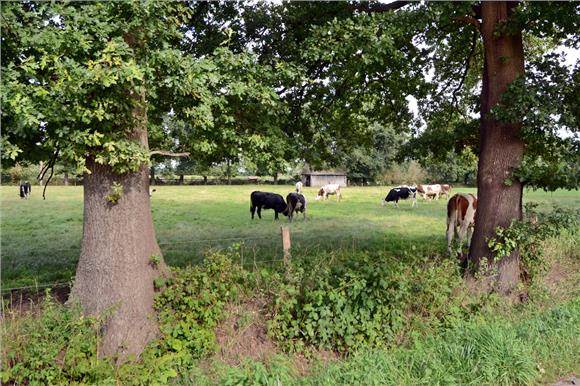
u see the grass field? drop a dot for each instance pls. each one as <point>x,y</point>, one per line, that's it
<point>40,239</point>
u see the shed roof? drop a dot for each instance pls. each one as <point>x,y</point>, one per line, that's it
<point>324,173</point>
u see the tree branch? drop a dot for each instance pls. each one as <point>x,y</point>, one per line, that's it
<point>469,20</point>
<point>369,7</point>
<point>169,153</point>
<point>466,66</point>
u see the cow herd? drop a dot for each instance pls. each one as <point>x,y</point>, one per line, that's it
<point>460,208</point>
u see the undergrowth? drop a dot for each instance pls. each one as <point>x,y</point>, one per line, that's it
<point>354,301</point>
<point>405,320</point>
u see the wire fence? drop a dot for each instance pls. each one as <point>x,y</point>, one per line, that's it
<point>175,249</point>
<point>250,251</point>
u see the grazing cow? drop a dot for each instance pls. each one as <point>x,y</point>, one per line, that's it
<point>296,203</point>
<point>460,218</point>
<point>327,190</point>
<point>401,193</point>
<point>266,200</point>
<point>25,190</point>
<point>429,190</point>
<point>299,187</point>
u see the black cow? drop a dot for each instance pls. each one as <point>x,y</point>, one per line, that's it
<point>25,189</point>
<point>296,203</point>
<point>401,193</point>
<point>266,200</point>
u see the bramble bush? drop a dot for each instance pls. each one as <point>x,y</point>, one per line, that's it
<point>361,300</point>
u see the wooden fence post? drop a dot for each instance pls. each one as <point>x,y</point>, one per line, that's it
<point>286,244</point>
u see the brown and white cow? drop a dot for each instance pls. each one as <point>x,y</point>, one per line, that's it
<point>427,191</point>
<point>434,190</point>
<point>327,190</point>
<point>460,218</point>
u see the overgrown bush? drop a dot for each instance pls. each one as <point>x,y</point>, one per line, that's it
<point>360,301</point>
<point>60,346</point>
<point>527,236</point>
<point>192,304</point>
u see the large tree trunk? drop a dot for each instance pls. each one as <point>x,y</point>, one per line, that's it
<point>501,147</point>
<point>181,177</point>
<point>275,178</point>
<point>115,272</point>
<point>65,179</point>
<point>229,172</point>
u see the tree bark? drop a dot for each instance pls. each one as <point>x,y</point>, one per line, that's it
<point>205,180</point>
<point>115,272</point>
<point>229,172</point>
<point>65,179</point>
<point>275,178</point>
<point>181,177</point>
<point>501,147</point>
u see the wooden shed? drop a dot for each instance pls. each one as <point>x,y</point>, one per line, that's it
<point>322,178</point>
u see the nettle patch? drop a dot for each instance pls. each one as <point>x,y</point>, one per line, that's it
<point>361,301</point>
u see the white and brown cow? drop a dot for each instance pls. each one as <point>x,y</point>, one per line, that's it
<point>427,191</point>
<point>460,218</point>
<point>327,190</point>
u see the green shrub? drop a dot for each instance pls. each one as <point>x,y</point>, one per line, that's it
<point>362,300</point>
<point>60,346</point>
<point>527,236</point>
<point>192,304</point>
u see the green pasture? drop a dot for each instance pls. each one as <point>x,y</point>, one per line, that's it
<point>40,239</point>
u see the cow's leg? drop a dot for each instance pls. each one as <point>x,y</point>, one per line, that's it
<point>260,212</point>
<point>252,210</point>
<point>469,235</point>
<point>290,212</point>
<point>414,202</point>
<point>462,233</point>
<point>450,232</point>
<point>275,215</point>
<point>396,203</point>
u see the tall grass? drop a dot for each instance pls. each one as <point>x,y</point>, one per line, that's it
<point>535,348</point>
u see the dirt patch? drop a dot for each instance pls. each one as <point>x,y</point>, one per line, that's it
<point>558,277</point>
<point>19,301</point>
<point>243,335</point>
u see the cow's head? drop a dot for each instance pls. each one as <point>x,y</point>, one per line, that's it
<point>320,194</point>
